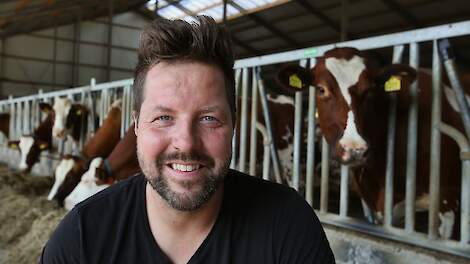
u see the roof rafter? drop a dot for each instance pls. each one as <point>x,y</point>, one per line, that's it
<point>396,7</point>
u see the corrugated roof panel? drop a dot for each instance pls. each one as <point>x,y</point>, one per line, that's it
<point>170,12</point>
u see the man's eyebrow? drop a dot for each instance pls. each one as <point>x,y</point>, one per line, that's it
<point>161,108</point>
<point>210,109</point>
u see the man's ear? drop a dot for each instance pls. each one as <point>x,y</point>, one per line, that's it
<point>401,71</point>
<point>294,78</point>
<point>14,144</point>
<point>135,119</point>
<point>45,107</point>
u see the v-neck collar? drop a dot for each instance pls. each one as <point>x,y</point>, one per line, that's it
<point>200,252</point>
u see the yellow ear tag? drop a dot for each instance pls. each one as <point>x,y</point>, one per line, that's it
<point>79,112</point>
<point>14,146</point>
<point>42,146</point>
<point>294,81</point>
<point>316,113</point>
<point>393,84</point>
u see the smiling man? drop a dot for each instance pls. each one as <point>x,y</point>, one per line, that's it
<point>187,206</point>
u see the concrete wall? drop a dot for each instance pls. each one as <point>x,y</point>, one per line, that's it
<point>41,72</point>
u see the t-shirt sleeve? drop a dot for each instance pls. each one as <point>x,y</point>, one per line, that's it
<point>300,237</point>
<point>64,244</point>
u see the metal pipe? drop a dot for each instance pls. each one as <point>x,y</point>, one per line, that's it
<point>124,110</point>
<point>234,138</point>
<point>12,118</point>
<point>435,151</point>
<point>54,57</point>
<point>110,39</point>
<point>2,65</point>
<point>392,118</point>
<point>266,157</point>
<point>254,121</point>
<point>243,121</point>
<point>449,64</point>
<point>325,172</point>
<point>297,136</point>
<point>267,119</point>
<point>412,144</point>
<point>344,198</point>
<point>310,143</point>
<point>19,123</point>
<point>465,193</point>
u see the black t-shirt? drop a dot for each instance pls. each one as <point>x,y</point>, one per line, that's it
<point>259,222</point>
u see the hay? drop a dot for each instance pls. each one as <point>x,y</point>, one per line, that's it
<point>27,218</point>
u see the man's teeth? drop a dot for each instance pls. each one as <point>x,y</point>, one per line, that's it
<point>182,167</point>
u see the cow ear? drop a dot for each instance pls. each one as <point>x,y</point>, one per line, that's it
<point>294,78</point>
<point>45,107</point>
<point>14,144</point>
<point>391,76</point>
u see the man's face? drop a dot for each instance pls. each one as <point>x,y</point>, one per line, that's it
<point>184,132</point>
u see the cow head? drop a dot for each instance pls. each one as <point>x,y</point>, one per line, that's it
<point>67,176</point>
<point>87,186</point>
<point>67,115</point>
<point>345,83</point>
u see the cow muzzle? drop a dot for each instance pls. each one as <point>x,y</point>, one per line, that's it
<point>353,156</point>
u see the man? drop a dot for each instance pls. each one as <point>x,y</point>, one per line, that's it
<point>188,207</point>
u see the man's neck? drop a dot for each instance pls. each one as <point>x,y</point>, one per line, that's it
<point>180,233</point>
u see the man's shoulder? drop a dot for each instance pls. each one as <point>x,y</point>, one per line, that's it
<point>117,195</point>
<point>247,188</point>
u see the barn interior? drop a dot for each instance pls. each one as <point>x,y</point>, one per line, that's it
<point>49,46</point>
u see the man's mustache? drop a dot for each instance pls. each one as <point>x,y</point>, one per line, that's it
<point>186,157</point>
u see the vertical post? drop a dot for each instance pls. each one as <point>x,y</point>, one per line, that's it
<point>297,136</point>
<point>412,144</point>
<point>325,168</point>
<point>465,208</point>
<point>76,51</point>
<point>310,143</point>
<point>2,65</point>
<point>254,121</point>
<point>110,39</point>
<point>344,199</point>
<point>124,113</point>
<point>243,121</point>
<point>92,104</point>
<point>234,138</point>
<point>12,132</point>
<point>224,17</point>
<point>54,56</point>
<point>435,159</point>
<point>267,119</point>
<point>344,19</point>
<point>392,119</point>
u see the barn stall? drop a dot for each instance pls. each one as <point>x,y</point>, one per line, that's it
<point>325,185</point>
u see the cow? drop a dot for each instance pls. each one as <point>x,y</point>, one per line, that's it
<point>71,119</point>
<point>71,168</point>
<point>353,116</point>
<point>31,146</point>
<point>119,165</point>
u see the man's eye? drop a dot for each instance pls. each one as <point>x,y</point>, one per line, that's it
<point>163,118</point>
<point>208,118</point>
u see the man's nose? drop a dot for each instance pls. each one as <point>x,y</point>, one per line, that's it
<point>185,138</point>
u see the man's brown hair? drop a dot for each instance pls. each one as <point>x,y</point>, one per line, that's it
<point>177,40</point>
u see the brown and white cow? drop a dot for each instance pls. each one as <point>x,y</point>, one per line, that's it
<point>121,164</point>
<point>31,146</point>
<point>71,119</point>
<point>71,168</point>
<point>353,116</point>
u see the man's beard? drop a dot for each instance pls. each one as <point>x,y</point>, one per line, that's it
<point>191,199</point>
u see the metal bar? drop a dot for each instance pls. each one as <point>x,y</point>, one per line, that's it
<point>125,99</point>
<point>234,138</point>
<point>392,119</point>
<point>297,136</point>
<point>110,39</point>
<point>435,159</point>
<point>464,146</point>
<point>344,19</point>
<point>27,118</point>
<point>325,169</point>
<point>12,117</point>
<point>344,198</point>
<point>19,114</point>
<point>418,35</point>
<point>76,51</point>
<point>310,143</point>
<point>2,65</point>
<point>412,144</point>
<point>254,121</point>
<point>243,121</point>
<point>449,64</point>
<point>267,119</point>
<point>266,144</point>
<point>54,58</point>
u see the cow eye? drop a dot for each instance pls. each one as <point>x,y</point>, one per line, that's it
<point>322,91</point>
